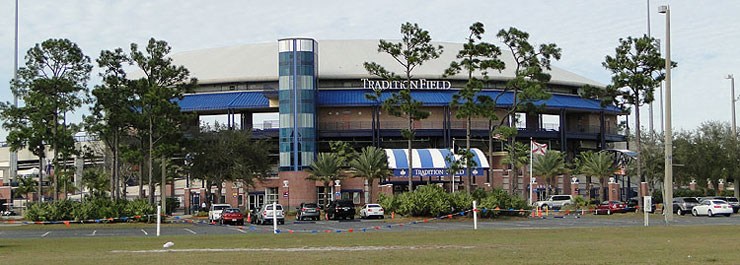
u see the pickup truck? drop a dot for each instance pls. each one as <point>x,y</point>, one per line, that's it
<point>214,214</point>
<point>555,201</point>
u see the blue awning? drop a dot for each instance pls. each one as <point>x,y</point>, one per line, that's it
<point>223,101</point>
<point>431,162</point>
<point>356,97</point>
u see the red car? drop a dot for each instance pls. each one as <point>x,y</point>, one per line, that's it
<point>610,207</point>
<point>233,216</point>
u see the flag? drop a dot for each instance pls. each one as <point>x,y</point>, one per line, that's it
<point>538,149</point>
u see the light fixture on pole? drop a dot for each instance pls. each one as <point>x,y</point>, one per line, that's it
<point>668,181</point>
<point>735,182</point>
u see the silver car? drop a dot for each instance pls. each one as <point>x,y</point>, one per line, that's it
<point>683,205</point>
<point>265,215</point>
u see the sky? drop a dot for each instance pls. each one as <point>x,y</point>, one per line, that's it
<point>704,34</point>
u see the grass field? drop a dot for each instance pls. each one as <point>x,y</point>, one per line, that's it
<point>619,245</point>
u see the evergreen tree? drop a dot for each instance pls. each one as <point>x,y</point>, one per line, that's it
<point>414,50</point>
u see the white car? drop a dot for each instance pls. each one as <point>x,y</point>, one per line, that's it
<point>555,201</point>
<point>372,210</point>
<point>215,213</point>
<point>712,208</point>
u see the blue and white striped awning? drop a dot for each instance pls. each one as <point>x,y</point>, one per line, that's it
<point>431,162</point>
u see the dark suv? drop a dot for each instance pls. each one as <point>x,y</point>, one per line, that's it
<point>683,205</point>
<point>340,209</point>
<point>308,210</point>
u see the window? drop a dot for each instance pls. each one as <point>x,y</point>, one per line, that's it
<point>241,199</point>
<point>271,194</point>
<point>354,196</point>
<point>320,196</point>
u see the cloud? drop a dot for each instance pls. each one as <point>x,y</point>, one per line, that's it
<point>704,36</point>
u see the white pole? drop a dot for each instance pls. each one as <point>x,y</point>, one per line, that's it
<point>475,217</point>
<point>159,218</point>
<point>274,217</point>
<point>14,154</point>
<point>668,181</point>
<point>531,182</point>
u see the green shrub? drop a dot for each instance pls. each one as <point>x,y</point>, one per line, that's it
<point>201,214</point>
<point>90,208</point>
<point>432,200</point>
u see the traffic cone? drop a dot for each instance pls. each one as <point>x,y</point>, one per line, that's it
<point>393,215</point>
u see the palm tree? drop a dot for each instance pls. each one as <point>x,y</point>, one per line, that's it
<point>371,164</point>
<point>326,168</point>
<point>549,165</point>
<point>26,185</point>
<point>517,155</point>
<point>598,164</point>
<point>96,181</point>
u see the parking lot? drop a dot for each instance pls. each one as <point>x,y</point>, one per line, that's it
<point>359,226</point>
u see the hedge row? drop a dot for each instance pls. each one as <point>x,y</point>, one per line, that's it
<point>93,208</point>
<point>432,201</point>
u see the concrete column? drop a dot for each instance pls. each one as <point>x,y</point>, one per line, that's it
<point>643,189</point>
<point>613,190</point>
<point>337,190</point>
<point>692,185</point>
<point>709,184</point>
<point>574,186</point>
<point>720,186</point>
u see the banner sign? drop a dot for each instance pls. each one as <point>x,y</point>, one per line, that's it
<point>403,84</point>
<point>436,172</point>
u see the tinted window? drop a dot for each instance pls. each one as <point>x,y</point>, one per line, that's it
<point>690,200</point>
<point>220,207</point>
<point>732,199</point>
<point>232,210</point>
<point>373,206</point>
<point>560,198</point>
<point>719,202</point>
<point>310,205</point>
<point>346,204</point>
<point>269,207</point>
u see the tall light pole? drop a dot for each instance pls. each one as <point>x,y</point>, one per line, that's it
<point>650,106</point>
<point>668,181</point>
<point>14,154</point>
<point>736,181</point>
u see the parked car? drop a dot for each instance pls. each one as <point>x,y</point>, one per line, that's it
<point>610,207</point>
<point>372,210</point>
<point>683,205</point>
<point>632,205</point>
<point>215,213</point>
<point>711,208</point>
<point>308,210</point>
<point>555,201</point>
<point>734,202</point>
<point>340,209</point>
<point>232,215</point>
<point>265,214</point>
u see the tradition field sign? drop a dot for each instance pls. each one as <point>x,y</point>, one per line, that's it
<point>603,245</point>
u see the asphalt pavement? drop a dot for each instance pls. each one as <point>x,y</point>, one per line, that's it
<point>357,225</point>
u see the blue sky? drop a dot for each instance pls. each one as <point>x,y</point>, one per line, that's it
<point>704,33</point>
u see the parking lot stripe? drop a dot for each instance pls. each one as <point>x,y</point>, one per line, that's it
<point>145,233</point>
<point>46,234</point>
<point>240,230</point>
<point>94,231</point>
<point>191,231</point>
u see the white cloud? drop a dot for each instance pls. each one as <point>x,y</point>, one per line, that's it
<point>704,35</point>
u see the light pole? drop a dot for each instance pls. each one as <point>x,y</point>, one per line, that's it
<point>14,154</point>
<point>736,182</point>
<point>668,181</point>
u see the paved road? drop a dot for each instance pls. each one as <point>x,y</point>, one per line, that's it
<point>368,225</point>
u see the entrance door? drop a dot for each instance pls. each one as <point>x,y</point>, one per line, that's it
<point>256,201</point>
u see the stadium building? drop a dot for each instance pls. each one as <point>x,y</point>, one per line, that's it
<point>302,94</point>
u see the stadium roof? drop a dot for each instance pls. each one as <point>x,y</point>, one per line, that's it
<point>356,97</point>
<point>338,59</point>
